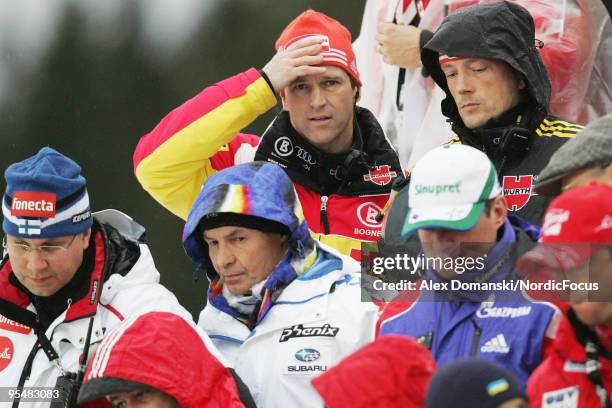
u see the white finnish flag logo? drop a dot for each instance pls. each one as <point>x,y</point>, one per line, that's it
<point>29,227</point>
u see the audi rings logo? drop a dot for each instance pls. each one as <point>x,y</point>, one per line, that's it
<point>304,155</point>
<point>367,213</point>
<point>283,146</point>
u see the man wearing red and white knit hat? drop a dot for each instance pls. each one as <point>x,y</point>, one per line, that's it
<point>577,243</point>
<point>335,152</point>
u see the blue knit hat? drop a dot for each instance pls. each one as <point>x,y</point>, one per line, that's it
<point>45,197</point>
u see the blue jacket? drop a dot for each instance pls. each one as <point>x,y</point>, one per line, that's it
<point>501,326</point>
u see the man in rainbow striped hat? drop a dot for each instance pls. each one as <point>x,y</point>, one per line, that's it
<point>282,308</point>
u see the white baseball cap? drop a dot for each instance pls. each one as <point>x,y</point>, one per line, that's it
<point>449,187</point>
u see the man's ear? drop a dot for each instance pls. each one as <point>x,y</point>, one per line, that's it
<point>86,235</point>
<point>520,81</point>
<point>608,173</point>
<point>356,93</point>
<point>499,210</point>
<point>281,93</point>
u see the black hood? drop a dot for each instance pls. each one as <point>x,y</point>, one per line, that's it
<point>369,167</point>
<point>503,31</point>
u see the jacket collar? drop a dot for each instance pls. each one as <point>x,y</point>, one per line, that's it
<point>368,168</point>
<point>85,306</point>
<point>497,267</point>
<point>291,266</point>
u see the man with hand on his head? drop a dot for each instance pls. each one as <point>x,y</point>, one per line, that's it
<point>335,153</point>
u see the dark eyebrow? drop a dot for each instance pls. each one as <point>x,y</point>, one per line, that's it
<point>331,76</point>
<point>233,233</point>
<point>298,79</point>
<point>44,243</point>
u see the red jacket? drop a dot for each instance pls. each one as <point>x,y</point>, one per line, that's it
<point>561,379</point>
<point>407,368</point>
<point>163,351</point>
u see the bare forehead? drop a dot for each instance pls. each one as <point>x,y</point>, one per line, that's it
<point>466,62</point>
<point>228,232</point>
<point>39,241</point>
<point>331,72</point>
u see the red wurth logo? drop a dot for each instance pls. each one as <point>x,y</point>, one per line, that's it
<point>517,190</point>
<point>33,204</point>
<point>382,175</point>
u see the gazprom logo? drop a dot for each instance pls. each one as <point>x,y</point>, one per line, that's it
<point>307,355</point>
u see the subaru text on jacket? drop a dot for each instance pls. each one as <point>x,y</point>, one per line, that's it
<point>200,137</point>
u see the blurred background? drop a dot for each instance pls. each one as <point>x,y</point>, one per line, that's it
<point>89,77</point>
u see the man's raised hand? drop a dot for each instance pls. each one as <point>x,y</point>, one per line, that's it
<point>299,59</point>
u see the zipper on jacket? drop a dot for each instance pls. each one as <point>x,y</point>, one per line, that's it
<point>324,220</point>
<point>477,334</point>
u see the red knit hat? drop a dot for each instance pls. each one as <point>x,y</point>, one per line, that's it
<point>577,224</point>
<point>337,49</point>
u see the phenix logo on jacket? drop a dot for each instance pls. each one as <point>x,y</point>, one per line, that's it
<point>308,315</point>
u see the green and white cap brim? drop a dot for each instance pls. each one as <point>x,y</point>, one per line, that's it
<point>465,190</point>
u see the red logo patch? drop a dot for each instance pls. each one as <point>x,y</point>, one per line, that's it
<point>381,176</point>
<point>517,190</point>
<point>6,352</point>
<point>367,213</point>
<point>8,324</point>
<point>33,204</point>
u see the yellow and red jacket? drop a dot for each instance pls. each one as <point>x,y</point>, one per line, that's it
<point>341,197</point>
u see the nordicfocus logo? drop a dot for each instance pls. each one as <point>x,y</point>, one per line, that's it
<point>6,352</point>
<point>381,176</point>
<point>496,345</point>
<point>300,331</point>
<point>283,146</point>
<point>33,204</point>
<point>367,213</point>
